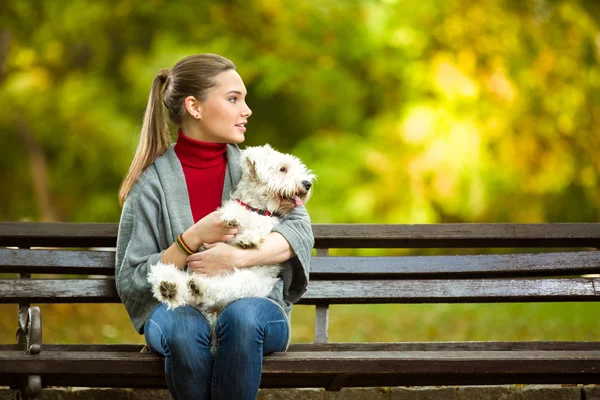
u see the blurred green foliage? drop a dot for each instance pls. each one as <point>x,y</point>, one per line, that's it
<point>408,112</point>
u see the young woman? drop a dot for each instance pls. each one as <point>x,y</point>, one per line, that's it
<point>169,198</point>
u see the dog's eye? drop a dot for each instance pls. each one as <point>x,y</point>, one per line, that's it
<point>283,169</point>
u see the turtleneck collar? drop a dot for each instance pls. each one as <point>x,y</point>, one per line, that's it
<point>197,154</point>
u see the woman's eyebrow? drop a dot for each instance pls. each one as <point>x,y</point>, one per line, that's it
<point>234,91</point>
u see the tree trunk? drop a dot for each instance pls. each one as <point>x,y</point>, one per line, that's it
<point>38,167</point>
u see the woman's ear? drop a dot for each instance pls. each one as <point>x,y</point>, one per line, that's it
<point>193,107</point>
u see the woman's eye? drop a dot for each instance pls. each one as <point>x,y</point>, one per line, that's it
<point>282,169</point>
<point>233,99</point>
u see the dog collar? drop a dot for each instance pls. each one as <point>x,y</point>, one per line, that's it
<point>259,211</point>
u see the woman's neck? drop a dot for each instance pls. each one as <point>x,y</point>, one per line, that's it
<point>193,130</point>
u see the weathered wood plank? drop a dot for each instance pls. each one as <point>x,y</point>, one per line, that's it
<point>74,363</point>
<point>58,291</point>
<point>376,367</point>
<point>58,234</point>
<point>451,291</point>
<point>30,234</point>
<point>359,346</point>
<point>349,362</point>
<point>466,266</point>
<point>269,380</point>
<point>337,292</point>
<point>326,268</point>
<point>276,380</point>
<point>447,346</point>
<point>456,235</point>
<point>57,261</point>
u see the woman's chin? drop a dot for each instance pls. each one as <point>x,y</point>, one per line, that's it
<point>237,138</point>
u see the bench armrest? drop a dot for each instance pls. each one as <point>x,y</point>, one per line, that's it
<point>34,330</point>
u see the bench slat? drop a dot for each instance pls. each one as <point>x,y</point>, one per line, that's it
<point>337,292</point>
<point>58,234</point>
<point>28,234</point>
<point>375,362</point>
<point>469,266</point>
<point>324,268</point>
<point>452,363</point>
<point>457,235</point>
<point>57,261</point>
<point>452,291</point>
<point>58,291</point>
<point>357,346</point>
<point>307,380</point>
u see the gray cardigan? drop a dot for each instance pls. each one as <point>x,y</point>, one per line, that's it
<point>158,209</point>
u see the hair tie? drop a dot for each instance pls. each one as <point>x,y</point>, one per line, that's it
<point>164,74</point>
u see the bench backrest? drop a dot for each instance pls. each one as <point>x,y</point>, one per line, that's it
<point>560,269</point>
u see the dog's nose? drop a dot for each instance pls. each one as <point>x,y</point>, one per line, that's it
<point>306,185</point>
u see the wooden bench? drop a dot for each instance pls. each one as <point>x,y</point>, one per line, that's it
<point>562,268</point>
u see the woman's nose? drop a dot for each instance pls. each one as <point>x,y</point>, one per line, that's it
<point>247,112</point>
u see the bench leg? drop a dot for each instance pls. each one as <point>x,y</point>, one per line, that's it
<point>32,388</point>
<point>321,323</point>
<point>337,383</point>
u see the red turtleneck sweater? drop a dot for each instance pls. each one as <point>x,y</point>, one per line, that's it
<point>204,166</point>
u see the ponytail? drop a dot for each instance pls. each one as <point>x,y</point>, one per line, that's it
<point>155,138</point>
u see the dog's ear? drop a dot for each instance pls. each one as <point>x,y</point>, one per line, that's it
<point>249,167</point>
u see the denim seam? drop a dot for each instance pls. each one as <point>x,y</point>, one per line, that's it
<point>216,358</point>
<point>274,322</point>
<point>170,364</point>
<point>287,320</point>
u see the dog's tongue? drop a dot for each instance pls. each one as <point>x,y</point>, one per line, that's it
<point>298,201</point>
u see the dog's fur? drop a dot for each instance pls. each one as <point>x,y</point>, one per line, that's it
<point>271,181</point>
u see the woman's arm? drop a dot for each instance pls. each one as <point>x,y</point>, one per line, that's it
<point>221,257</point>
<point>291,239</point>
<point>138,247</point>
<point>290,244</point>
<point>209,229</point>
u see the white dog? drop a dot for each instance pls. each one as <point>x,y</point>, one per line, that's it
<point>272,185</point>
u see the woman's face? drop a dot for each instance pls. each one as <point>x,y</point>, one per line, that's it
<point>224,113</point>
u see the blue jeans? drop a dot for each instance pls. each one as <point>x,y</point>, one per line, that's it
<point>246,330</point>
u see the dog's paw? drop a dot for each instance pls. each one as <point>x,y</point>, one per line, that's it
<point>231,222</point>
<point>195,290</point>
<point>168,290</point>
<point>247,245</point>
<point>230,219</point>
<point>248,240</point>
<point>166,281</point>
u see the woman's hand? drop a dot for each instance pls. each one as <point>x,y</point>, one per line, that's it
<point>218,258</point>
<point>209,229</point>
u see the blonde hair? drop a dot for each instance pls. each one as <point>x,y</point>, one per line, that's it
<point>191,76</point>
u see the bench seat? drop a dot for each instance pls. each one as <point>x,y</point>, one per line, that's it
<point>325,365</point>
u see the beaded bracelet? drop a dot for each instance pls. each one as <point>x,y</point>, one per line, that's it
<point>182,246</point>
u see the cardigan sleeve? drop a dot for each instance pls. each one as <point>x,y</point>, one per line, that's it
<point>297,230</point>
<point>141,241</point>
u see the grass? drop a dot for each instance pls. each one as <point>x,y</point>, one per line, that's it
<point>109,323</point>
